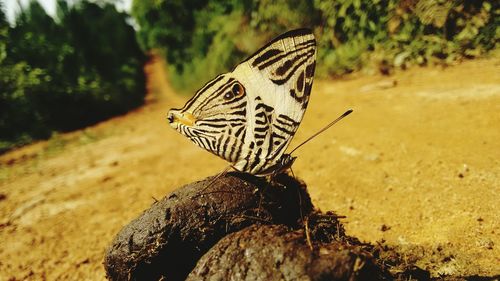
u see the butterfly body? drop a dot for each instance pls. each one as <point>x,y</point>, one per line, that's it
<point>249,116</point>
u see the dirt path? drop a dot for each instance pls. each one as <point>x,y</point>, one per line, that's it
<point>417,164</point>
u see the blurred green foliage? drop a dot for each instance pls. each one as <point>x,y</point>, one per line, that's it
<point>64,74</point>
<point>86,65</point>
<point>201,38</point>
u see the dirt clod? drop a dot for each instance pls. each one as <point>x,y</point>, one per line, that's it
<point>168,239</point>
<point>240,227</point>
<point>273,252</point>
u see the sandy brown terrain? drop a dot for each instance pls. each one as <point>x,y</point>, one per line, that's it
<point>417,165</point>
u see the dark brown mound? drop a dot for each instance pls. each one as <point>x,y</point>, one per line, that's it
<point>240,227</point>
<point>168,239</point>
<point>273,252</point>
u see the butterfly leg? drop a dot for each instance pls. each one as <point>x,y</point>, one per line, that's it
<point>293,174</point>
<point>214,179</point>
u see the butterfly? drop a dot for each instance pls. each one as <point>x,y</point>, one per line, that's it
<point>249,116</point>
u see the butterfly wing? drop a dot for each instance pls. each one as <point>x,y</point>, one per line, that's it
<point>278,79</point>
<point>249,116</point>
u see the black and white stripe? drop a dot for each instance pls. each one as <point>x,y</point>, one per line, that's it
<point>253,130</point>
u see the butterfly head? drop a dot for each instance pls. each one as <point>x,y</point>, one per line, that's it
<point>285,162</point>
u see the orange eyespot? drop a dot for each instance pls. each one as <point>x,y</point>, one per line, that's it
<point>237,89</point>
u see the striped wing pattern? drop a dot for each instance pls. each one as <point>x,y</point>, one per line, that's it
<point>249,116</point>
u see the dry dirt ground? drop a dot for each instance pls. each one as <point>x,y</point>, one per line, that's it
<point>417,165</point>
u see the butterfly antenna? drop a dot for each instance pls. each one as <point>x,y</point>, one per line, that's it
<point>322,130</point>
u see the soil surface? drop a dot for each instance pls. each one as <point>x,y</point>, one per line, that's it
<point>416,165</point>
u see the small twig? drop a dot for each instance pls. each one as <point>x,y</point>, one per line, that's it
<point>253,218</point>
<point>308,235</point>
<point>214,192</point>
